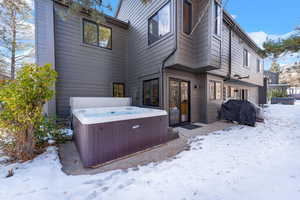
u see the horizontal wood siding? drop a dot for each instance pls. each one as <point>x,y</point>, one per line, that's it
<point>213,105</point>
<point>215,52</point>
<point>203,99</point>
<point>224,70</point>
<point>238,45</point>
<point>145,62</point>
<point>192,49</point>
<point>85,70</point>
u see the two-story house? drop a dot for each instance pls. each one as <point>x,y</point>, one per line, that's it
<point>184,56</point>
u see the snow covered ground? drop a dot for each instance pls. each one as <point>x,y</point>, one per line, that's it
<point>242,163</point>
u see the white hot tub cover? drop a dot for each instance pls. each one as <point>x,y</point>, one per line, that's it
<point>98,102</point>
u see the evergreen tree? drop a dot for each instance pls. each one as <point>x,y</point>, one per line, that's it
<point>95,8</point>
<point>15,32</point>
<point>276,48</point>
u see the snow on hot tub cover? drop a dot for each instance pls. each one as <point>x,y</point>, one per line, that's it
<point>110,114</point>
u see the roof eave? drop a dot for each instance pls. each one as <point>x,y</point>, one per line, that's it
<point>118,8</point>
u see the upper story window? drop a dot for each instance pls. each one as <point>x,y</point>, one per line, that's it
<point>187,16</point>
<point>105,38</point>
<point>246,58</point>
<point>258,67</point>
<point>90,32</point>
<point>97,35</point>
<point>151,92</point>
<point>217,18</point>
<point>159,24</point>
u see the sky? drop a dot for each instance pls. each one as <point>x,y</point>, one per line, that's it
<point>263,19</point>
<point>114,4</point>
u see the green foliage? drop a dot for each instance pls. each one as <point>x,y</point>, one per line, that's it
<point>277,93</point>
<point>95,8</point>
<point>276,48</point>
<point>49,130</point>
<point>22,106</point>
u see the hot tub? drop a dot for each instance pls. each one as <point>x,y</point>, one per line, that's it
<point>105,134</point>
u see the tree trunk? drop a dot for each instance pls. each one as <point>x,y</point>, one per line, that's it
<point>13,44</point>
<point>27,145</point>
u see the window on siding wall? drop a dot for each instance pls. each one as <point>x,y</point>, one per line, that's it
<point>187,17</point>
<point>151,92</point>
<point>105,37</point>
<point>159,24</point>
<point>90,33</point>
<point>97,35</point>
<point>244,94</point>
<point>233,93</point>
<point>225,91</point>
<point>212,90</point>
<point>237,93</point>
<point>215,90</point>
<point>118,90</point>
<point>258,65</point>
<point>217,18</point>
<point>218,90</point>
<point>246,58</point>
<point>229,92</point>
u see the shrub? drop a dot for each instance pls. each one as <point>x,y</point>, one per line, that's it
<point>277,93</point>
<point>49,130</point>
<point>22,102</point>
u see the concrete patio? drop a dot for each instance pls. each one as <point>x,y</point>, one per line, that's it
<point>72,165</point>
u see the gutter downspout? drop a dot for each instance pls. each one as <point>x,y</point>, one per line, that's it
<point>171,54</point>
<point>230,53</point>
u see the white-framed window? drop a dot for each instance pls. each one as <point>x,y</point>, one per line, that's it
<point>246,57</point>
<point>258,65</point>
<point>159,24</point>
<point>217,18</point>
<point>215,90</point>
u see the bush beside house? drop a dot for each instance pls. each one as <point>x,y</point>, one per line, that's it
<point>22,123</point>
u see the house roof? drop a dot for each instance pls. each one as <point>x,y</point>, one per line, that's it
<point>117,22</point>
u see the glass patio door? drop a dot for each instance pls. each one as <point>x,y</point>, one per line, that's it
<point>179,102</point>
